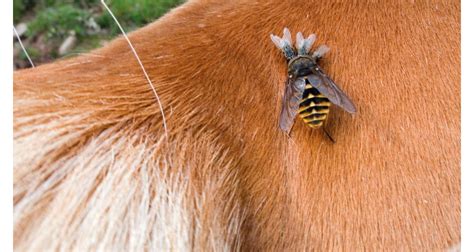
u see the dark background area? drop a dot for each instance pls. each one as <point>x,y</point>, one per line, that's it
<point>52,29</point>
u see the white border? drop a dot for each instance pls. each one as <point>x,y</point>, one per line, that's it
<point>467,125</point>
<point>6,128</point>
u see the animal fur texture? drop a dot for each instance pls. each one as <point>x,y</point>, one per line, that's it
<point>93,170</point>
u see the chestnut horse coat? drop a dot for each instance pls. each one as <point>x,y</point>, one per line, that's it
<point>93,169</point>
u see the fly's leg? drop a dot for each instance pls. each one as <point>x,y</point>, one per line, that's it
<point>329,136</point>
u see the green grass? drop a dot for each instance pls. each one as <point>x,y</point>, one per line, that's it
<point>135,13</point>
<point>58,22</point>
<point>32,52</point>
<point>50,21</point>
<point>57,18</point>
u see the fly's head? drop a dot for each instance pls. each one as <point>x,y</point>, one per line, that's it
<point>301,66</point>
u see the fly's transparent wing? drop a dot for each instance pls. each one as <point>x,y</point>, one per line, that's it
<point>328,88</point>
<point>291,101</point>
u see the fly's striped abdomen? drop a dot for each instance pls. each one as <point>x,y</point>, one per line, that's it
<point>314,107</point>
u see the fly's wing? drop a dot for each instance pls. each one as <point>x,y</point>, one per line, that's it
<point>328,88</point>
<point>291,101</point>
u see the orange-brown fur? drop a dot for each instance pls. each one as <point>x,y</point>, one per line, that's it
<point>90,154</point>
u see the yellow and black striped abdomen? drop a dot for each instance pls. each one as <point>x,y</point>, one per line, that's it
<point>314,107</point>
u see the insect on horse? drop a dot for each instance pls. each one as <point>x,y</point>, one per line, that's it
<point>309,91</point>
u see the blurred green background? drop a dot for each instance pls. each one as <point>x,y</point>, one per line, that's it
<point>52,29</point>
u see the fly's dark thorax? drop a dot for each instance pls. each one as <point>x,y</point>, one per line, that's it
<point>314,107</point>
<point>301,66</point>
